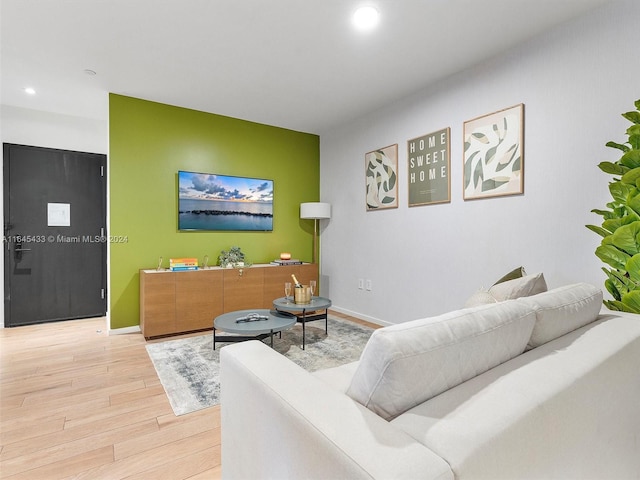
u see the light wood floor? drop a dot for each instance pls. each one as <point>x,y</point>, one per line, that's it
<point>76,403</point>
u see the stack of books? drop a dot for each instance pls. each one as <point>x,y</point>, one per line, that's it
<point>292,261</point>
<point>181,264</point>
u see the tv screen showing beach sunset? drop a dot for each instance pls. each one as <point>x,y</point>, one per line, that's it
<point>221,202</point>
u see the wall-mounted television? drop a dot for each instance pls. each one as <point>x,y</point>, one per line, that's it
<point>221,202</point>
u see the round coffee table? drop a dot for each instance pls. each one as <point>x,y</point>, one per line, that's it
<point>256,324</point>
<point>316,309</point>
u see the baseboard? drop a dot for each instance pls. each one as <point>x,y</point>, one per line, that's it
<point>361,316</point>
<point>125,330</point>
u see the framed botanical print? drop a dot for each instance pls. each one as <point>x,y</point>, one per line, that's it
<point>494,154</point>
<point>381,174</point>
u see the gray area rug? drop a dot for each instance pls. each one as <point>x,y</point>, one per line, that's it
<point>189,369</point>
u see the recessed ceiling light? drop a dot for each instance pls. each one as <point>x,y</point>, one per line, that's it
<point>365,18</point>
<point>29,90</point>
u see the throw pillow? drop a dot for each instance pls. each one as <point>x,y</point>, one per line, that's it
<point>519,287</point>
<point>515,273</point>
<point>481,297</point>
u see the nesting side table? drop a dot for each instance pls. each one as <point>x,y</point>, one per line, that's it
<point>245,327</point>
<point>316,309</point>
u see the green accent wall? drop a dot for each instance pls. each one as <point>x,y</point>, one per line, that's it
<point>149,142</point>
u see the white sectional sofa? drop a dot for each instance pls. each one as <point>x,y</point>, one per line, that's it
<point>541,387</point>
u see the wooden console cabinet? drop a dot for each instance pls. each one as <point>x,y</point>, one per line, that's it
<point>178,302</point>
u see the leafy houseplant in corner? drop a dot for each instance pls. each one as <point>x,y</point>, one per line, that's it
<point>620,230</point>
<point>230,258</point>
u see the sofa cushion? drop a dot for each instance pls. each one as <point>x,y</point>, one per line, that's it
<point>562,310</point>
<point>406,364</point>
<point>519,287</point>
<point>565,410</point>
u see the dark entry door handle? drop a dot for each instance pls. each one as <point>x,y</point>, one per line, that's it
<point>17,251</point>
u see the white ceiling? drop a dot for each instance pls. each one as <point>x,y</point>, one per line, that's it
<point>297,64</point>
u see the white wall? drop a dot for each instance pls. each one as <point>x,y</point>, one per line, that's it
<point>42,129</point>
<point>51,130</point>
<point>575,81</point>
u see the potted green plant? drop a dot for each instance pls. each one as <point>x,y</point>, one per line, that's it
<point>230,258</point>
<point>620,230</point>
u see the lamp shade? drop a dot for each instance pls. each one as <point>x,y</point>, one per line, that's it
<point>315,210</point>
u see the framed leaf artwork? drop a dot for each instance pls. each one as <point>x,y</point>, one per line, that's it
<point>381,174</point>
<point>494,154</point>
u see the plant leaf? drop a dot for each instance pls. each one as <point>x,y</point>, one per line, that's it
<point>632,117</point>
<point>631,159</point>
<point>612,224</point>
<point>631,216</point>
<point>631,177</point>
<point>633,130</point>
<point>626,238</point>
<point>634,204</point>
<point>606,214</point>
<point>631,301</point>
<point>612,256</point>
<point>619,146</point>
<point>634,141</point>
<point>637,104</point>
<point>619,191</point>
<point>614,305</point>
<point>633,268</point>
<point>599,230</point>
<point>623,284</point>
<point>613,168</point>
<point>611,288</point>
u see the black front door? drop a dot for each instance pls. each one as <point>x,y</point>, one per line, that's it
<point>55,243</point>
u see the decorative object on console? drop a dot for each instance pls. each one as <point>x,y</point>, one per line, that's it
<point>493,154</point>
<point>620,248</point>
<point>182,264</point>
<point>429,165</point>
<point>315,211</point>
<point>293,261</point>
<point>231,257</point>
<point>285,256</point>
<point>241,266</point>
<point>381,175</point>
<point>222,202</point>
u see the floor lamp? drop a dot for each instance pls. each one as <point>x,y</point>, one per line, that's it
<point>315,211</point>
